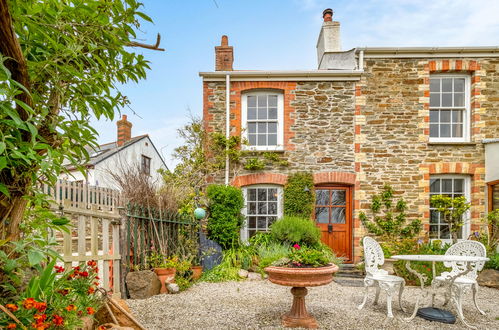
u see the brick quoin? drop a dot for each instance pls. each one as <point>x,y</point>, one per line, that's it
<point>260,178</point>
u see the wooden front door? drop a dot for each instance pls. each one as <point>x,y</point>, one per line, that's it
<point>333,215</point>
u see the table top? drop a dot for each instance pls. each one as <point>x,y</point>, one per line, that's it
<point>439,257</point>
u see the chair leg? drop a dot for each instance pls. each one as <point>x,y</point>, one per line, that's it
<point>457,298</point>
<point>366,291</point>
<point>389,292</point>
<point>377,294</point>
<point>475,291</point>
<point>402,286</point>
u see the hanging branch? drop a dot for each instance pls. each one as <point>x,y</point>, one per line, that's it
<point>153,47</point>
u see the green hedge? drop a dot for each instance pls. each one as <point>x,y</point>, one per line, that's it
<point>299,196</point>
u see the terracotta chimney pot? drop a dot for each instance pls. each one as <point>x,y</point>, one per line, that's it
<point>327,14</point>
<point>224,55</point>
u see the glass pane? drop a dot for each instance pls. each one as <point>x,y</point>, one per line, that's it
<point>322,197</point>
<point>271,220</point>
<point>252,208</point>
<point>433,116</point>
<point>251,101</point>
<point>262,140</point>
<point>262,194</point>
<point>445,130</point>
<point>434,216</point>
<point>444,232</point>
<point>435,185</point>
<point>457,130</point>
<point>459,84</point>
<point>446,84</point>
<point>338,215</point>
<point>434,231</point>
<point>262,223</point>
<point>252,194</point>
<point>272,194</point>
<point>458,185</point>
<point>262,128</point>
<point>338,197</point>
<point>252,139</point>
<point>459,100</point>
<point>272,113</point>
<point>251,113</point>
<point>322,214</point>
<point>262,207</point>
<point>457,116</point>
<point>445,116</point>
<point>262,101</point>
<point>272,100</point>
<point>272,208</point>
<point>434,130</point>
<point>272,127</point>
<point>251,222</point>
<point>272,140</point>
<point>251,127</point>
<point>251,233</point>
<point>447,100</point>
<point>446,185</point>
<point>435,85</point>
<point>434,100</point>
<point>262,113</point>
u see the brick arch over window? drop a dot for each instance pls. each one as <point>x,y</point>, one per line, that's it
<point>260,178</point>
<point>334,177</point>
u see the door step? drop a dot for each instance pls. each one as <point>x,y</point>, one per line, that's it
<point>349,270</point>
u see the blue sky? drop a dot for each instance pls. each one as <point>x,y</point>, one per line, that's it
<point>275,35</point>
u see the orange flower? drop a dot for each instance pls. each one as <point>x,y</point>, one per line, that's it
<point>40,326</point>
<point>101,327</point>
<point>40,306</point>
<point>12,307</point>
<point>57,320</point>
<point>91,290</point>
<point>29,303</point>
<point>92,263</point>
<point>90,311</point>
<point>11,326</point>
<point>70,308</point>
<point>40,318</point>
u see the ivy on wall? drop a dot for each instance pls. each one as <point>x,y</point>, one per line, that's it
<point>299,195</point>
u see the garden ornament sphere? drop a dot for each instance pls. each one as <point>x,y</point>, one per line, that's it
<point>199,213</point>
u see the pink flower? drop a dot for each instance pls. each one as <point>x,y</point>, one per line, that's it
<point>296,246</point>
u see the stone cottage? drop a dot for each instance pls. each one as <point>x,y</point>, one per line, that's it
<point>424,120</point>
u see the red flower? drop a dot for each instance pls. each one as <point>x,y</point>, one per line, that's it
<point>29,303</point>
<point>63,291</point>
<point>90,311</point>
<point>11,326</point>
<point>40,306</point>
<point>57,320</point>
<point>296,246</point>
<point>92,263</point>
<point>40,326</point>
<point>97,277</point>
<point>40,318</point>
<point>70,308</point>
<point>12,307</point>
<point>91,290</point>
<point>84,274</point>
<point>96,283</point>
<point>76,268</point>
<point>59,269</point>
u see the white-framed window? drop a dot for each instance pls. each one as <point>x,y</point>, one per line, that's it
<point>449,108</point>
<point>263,120</point>
<point>452,186</point>
<point>263,206</point>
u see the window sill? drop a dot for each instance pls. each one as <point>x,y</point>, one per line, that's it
<point>452,143</point>
<point>269,149</point>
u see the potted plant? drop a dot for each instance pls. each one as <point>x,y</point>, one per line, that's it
<point>388,224</point>
<point>308,263</point>
<point>164,268</point>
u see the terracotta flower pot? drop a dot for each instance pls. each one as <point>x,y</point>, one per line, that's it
<point>196,272</point>
<point>299,279</point>
<point>166,275</point>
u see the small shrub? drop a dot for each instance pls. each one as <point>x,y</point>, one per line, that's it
<point>299,197</point>
<point>225,220</point>
<point>233,260</point>
<point>262,239</point>
<point>493,263</point>
<point>295,230</point>
<point>268,254</point>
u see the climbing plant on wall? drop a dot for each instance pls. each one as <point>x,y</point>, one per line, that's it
<point>299,196</point>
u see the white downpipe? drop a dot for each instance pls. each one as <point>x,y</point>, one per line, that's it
<point>361,60</point>
<point>227,125</point>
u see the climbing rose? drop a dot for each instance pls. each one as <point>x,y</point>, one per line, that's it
<point>296,246</point>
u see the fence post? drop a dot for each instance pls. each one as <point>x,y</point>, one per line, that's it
<point>125,258</point>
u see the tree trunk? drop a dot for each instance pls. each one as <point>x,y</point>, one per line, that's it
<point>12,215</point>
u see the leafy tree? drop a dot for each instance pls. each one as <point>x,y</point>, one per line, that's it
<point>60,63</point>
<point>451,210</point>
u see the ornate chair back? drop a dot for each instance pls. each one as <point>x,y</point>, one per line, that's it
<point>373,256</point>
<point>466,248</point>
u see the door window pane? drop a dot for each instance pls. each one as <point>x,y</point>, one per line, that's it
<point>338,197</point>
<point>321,197</point>
<point>322,214</point>
<point>338,215</point>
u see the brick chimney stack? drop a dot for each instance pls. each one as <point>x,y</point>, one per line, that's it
<point>224,55</point>
<point>124,131</point>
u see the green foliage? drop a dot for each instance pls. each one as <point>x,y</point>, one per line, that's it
<point>77,56</point>
<point>183,274</point>
<point>302,256</point>
<point>233,259</point>
<point>388,220</point>
<point>254,164</point>
<point>268,254</point>
<point>299,196</point>
<point>261,239</point>
<point>295,230</point>
<point>451,210</point>
<point>493,263</point>
<point>225,219</point>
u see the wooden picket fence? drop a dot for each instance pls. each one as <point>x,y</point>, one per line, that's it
<point>95,235</point>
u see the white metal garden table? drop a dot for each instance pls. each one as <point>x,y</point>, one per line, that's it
<point>437,287</point>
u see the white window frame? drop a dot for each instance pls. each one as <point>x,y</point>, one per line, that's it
<point>280,121</point>
<point>280,192</point>
<point>467,112</point>
<point>467,194</point>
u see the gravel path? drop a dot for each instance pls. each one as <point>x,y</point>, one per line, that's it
<point>259,305</point>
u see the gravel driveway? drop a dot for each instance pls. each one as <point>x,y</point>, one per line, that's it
<point>259,305</point>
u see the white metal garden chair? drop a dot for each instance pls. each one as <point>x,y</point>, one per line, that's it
<point>373,258</point>
<point>463,283</point>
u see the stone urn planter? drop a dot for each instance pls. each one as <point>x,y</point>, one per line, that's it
<point>165,275</point>
<point>197,271</point>
<point>389,266</point>
<point>299,279</point>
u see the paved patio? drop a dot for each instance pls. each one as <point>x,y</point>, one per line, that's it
<point>259,304</point>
